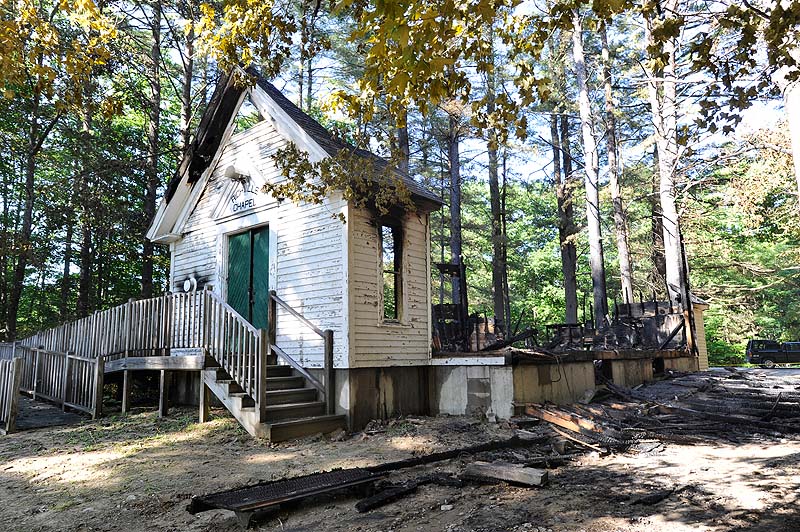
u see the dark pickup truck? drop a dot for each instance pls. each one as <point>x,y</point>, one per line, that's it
<point>767,353</point>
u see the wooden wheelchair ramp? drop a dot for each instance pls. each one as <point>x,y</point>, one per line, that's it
<point>196,331</point>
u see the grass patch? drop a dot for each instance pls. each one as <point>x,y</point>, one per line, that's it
<point>145,428</point>
<point>65,505</point>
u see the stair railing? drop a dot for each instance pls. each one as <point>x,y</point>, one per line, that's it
<point>328,388</point>
<point>240,348</point>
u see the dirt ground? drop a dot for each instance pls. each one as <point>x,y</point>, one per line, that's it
<point>138,473</point>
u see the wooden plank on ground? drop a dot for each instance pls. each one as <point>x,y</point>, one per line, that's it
<point>511,473</point>
<point>565,420</point>
<point>386,496</point>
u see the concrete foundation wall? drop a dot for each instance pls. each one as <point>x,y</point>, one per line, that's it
<point>631,373</point>
<point>472,390</point>
<point>557,383</point>
<point>365,394</point>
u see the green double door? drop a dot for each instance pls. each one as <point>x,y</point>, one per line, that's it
<point>248,275</point>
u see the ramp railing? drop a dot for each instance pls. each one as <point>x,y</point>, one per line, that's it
<point>10,374</point>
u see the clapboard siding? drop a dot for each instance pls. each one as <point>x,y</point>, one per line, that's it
<point>326,270</point>
<point>374,343</point>
<point>197,253</point>
<point>700,332</point>
<point>308,256</point>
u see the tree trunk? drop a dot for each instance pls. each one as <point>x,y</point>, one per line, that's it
<point>591,169</point>
<point>310,74</point>
<point>499,295</point>
<point>566,224</point>
<point>65,276</point>
<point>498,239</point>
<point>504,228</point>
<point>791,98</point>
<point>301,75</point>
<point>100,262</point>
<point>151,188</point>
<point>26,230</point>
<point>403,147</point>
<point>620,217</point>
<point>84,303</point>
<point>85,278</point>
<point>663,99</point>
<point>186,92</point>
<point>8,184</point>
<point>659,272</point>
<point>454,163</point>
<point>791,103</point>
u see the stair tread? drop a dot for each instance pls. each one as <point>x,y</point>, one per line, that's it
<point>287,377</point>
<point>288,406</point>
<point>289,391</point>
<point>307,419</point>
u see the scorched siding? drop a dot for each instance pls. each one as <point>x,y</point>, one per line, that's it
<point>374,342</point>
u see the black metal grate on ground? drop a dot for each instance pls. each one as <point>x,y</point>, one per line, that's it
<point>271,493</point>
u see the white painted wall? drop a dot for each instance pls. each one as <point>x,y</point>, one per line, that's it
<point>307,262</point>
<point>328,271</point>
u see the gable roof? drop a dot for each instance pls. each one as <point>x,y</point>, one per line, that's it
<point>215,129</point>
<point>332,145</point>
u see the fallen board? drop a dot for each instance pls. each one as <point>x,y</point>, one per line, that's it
<point>397,491</point>
<point>386,496</point>
<point>511,473</point>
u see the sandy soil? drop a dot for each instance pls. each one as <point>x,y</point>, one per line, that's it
<point>138,473</point>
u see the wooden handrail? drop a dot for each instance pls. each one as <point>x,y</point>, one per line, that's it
<point>328,390</point>
<point>51,352</point>
<point>233,311</point>
<point>300,369</point>
<point>296,314</point>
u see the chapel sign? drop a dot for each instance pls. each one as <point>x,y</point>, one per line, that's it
<point>241,194</point>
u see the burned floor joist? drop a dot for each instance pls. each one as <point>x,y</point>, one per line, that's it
<point>702,406</point>
<point>393,492</point>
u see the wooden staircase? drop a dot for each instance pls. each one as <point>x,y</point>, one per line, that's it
<point>292,410</point>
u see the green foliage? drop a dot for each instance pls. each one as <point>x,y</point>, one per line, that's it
<point>724,354</point>
<point>534,269</point>
<point>366,181</point>
<point>743,231</point>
